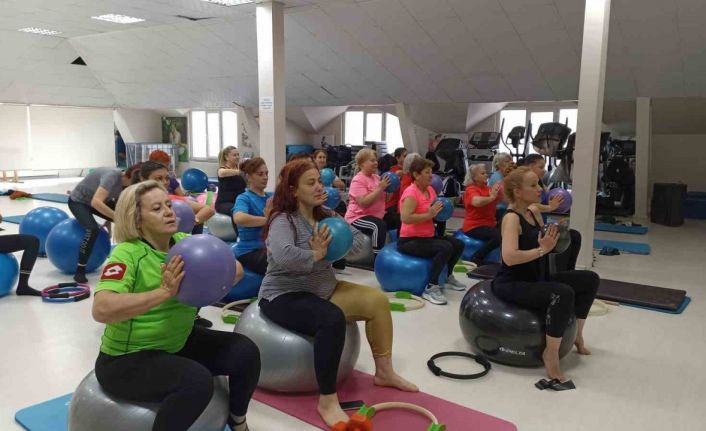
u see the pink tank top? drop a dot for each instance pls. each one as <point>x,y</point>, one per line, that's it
<point>424,229</point>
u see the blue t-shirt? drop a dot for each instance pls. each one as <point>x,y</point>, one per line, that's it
<point>496,178</point>
<point>250,238</point>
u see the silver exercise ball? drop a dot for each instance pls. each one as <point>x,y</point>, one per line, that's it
<point>221,227</point>
<point>92,409</point>
<point>362,255</point>
<point>287,358</point>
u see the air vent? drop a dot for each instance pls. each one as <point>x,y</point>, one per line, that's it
<point>191,18</point>
<point>79,62</point>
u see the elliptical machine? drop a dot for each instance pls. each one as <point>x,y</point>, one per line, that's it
<point>616,179</point>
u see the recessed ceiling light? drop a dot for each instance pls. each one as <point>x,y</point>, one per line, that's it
<point>229,2</point>
<point>118,19</point>
<point>42,31</point>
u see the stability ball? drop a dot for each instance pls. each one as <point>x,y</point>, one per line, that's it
<point>394,182</point>
<point>9,273</point>
<point>209,266</point>
<point>341,237</point>
<point>221,226</point>
<point>333,199</point>
<point>504,332</point>
<point>64,241</point>
<point>186,220</point>
<point>287,357</point>
<point>39,222</point>
<point>194,180</point>
<point>397,271</point>
<point>363,255</point>
<point>327,176</point>
<point>565,206</point>
<point>248,287</point>
<point>472,245</point>
<point>447,209</point>
<point>91,409</point>
<point>437,183</point>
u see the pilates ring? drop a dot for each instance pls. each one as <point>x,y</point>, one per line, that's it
<point>439,372</point>
<point>598,308</point>
<point>362,420</point>
<point>66,292</point>
<point>435,425</point>
<point>397,306</point>
<point>228,315</point>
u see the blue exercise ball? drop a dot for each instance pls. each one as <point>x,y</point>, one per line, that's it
<point>39,222</point>
<point>437,183</point>
<point>333,199</point>
<point>341,238</point>
<point>9,273</point>
<point>394,182</point>
<point>327,176</point>
<point>447,209</point>
<point>194,180</point>
<point>398,271</point>
<point>248,287</point>
<point>472,245</point>
<point>64,241</point>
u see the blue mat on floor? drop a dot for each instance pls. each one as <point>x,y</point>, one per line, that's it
<point>14,219</point>
<point>52,415</point>
<point>625,246</point>
<point>607,227</point>
<point>680,310</point>
<point>51,197</point>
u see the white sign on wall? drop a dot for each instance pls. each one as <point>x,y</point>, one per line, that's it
<point>266,104</point>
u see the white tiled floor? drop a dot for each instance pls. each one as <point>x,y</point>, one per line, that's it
<point>646,372</point>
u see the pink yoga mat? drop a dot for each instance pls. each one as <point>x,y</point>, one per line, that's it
<point>359,386</point>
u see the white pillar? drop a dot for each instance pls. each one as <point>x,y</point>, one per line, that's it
<point>590,115</point>
<point>409,137</point>
<point>270,68</point>
<point>643,139</point>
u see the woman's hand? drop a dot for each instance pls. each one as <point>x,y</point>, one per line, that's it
<point>555,201</point>
<point>548,241</point>
<point>435,209</point>
<point>495,190</point>
<point>172,275</point>
<point>319,242</point>
<point>384,183</point>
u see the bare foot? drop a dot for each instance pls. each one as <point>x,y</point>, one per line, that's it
<point>394,380</point>
<point>581,347</point>
<point>551,364</point>
<point>331,413</point>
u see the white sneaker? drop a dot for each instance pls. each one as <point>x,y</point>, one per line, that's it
<point>434,295</point>
<point>453,284</point>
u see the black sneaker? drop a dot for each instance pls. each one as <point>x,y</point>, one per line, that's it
<point>203,322</point>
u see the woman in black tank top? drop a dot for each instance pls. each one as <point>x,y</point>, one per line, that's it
<point>523,278</point>
<point>230,181</point>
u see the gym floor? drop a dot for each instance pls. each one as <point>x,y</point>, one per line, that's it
<point>645,373</point>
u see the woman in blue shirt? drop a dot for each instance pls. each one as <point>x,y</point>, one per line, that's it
<point>250,213</point>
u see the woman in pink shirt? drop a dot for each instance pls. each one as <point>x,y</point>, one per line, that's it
<point>417,232</point>
<point>366,201</point>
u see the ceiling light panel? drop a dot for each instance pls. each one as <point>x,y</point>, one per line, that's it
<point>118,19</point>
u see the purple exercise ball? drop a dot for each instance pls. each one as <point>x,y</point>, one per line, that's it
<point>565,206</point>
<point>186,220</point>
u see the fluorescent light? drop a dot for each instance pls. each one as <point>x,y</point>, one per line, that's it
<point>228,2</point>
<point>118,19</point>
<point>42,31</point>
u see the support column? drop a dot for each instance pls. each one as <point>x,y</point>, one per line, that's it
<point>643,140</point>
<point>270,69</point>
<point>590,115</point>
<point>409,137</point>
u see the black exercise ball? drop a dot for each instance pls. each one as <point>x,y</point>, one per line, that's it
<point>504,332</point>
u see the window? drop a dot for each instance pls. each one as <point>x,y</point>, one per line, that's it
<point>361,126</point>
<point>393,133</point>
<point>373,127</point>
<point>569,117</point>
<point>354,127</point>
<point>211,131</point>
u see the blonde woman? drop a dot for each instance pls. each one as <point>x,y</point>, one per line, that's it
<point>230,181</point>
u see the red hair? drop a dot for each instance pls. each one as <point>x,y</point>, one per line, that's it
<point>160,157</point>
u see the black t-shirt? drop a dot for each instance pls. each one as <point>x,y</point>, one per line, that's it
<point>229,188</point>
<point>529,239</point>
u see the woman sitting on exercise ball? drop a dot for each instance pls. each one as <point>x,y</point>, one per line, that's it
<point>300,291</point>
<point>150,350</point>
<point>523,278</point>
<point>502,165</point>
<point>230,181</point>
<point>417,234</point>
<point>251,211</point>
<point>29,246</point>
<point>480,201</point>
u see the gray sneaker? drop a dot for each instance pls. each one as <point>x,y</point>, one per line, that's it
<point>453,284</point>
<point>434,295</point>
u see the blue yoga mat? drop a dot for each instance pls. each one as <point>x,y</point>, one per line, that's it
<point>628,247</point>
<point>607,227</point>
<point>680,310</point>
<point>51,197</point>
<point>14,219</point>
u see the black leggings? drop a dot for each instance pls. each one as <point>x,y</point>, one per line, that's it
<point>569,292</point>
<point>183,381</point>
<point>84,214</point>
<point>566,261</point>
<point>491,236</point>
<point>316,317</point>
<point>444,251</point>
<point>29,245</point>
<point>377,228</point>
<point>255,261</point>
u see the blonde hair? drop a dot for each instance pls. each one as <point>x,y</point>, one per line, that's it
<point>407,163</point>
<point>499,158</point>
<point>513,181</point>
<point>127,210</point>
<point>223,155</point>
<point>472,172</point>
<point>363,155</point>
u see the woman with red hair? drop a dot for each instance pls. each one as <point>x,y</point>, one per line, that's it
<point>300,291</point>
<point>174,188</point>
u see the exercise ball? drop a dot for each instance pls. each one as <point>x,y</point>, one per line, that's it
<point>39,222</point>
<point>63,244</point>
<point>194,180</point>
<point>394,182</point>
<point>186,219</point>
<point>447,209</point>
<point>397,271</point>
<point>209,268</point>
<point>363,255</point>
<point>221,226</point>
<point>248,287</point>
<point>565,206</point>
<point>437,183</point>
<point>472,245</point>
<point>287,358</point>
<point>504,332</point>
<point>327,177</point>
<point>333,198</point>
<point>92,409</point>
<point>341,237</point>
<point>9,273</point>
